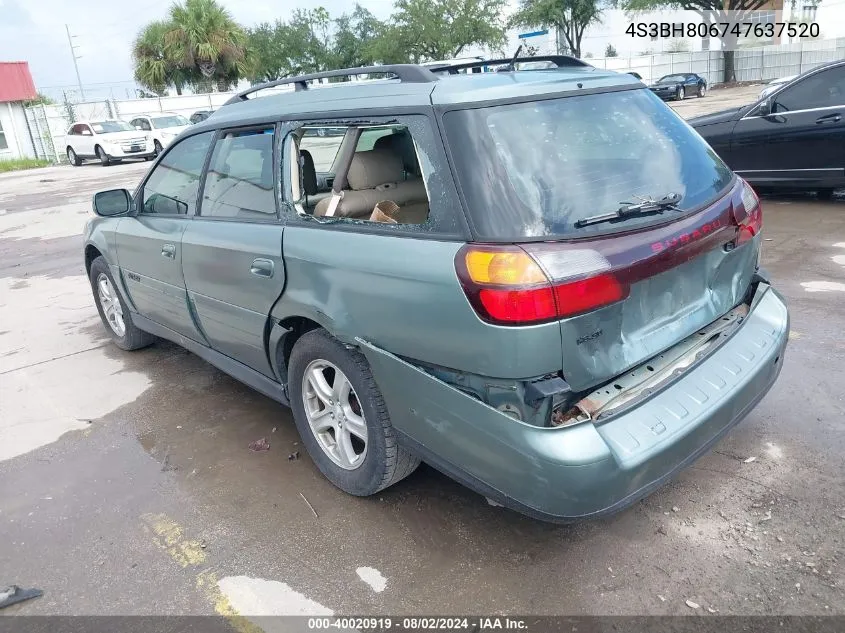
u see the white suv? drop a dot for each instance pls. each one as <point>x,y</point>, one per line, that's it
<point>162,127</point>
<point>109,141</point>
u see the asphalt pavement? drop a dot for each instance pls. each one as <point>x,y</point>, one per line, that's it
<point>127,485</point>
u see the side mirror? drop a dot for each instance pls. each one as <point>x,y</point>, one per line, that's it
<point>87,133</point>
<point>113,202</point>
<point>765,107</point>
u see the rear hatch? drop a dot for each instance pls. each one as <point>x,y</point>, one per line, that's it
<point>538,178</point>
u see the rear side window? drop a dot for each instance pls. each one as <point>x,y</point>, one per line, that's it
<point>239,183</point>
<point>822,90</point>
<point>532,170</point>
<point>173,185</point>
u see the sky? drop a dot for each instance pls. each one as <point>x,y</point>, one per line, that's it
<point>34,31</point>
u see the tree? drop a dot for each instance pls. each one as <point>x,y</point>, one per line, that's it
<point>206,43</point>
<point>610,51</point>
<point>40,99</point>
<point>155,69</point>
<point>712,11</point>
<point>423,30</point>
<point>678,45</point>
<point>355,38</point>
<point>569,17</point>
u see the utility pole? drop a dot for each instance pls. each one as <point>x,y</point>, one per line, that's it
<point>75,65</point>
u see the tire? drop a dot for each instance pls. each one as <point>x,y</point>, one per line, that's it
<point>382,461</point>
<point>131,338</point>
<point>73,158</point>
<point>679,93</point>
<point>158,147</point>
<point>702,90</point>
<point>105,161</point>
<point>824,194</point>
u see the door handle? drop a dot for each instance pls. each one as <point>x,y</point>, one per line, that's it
<point>262,268</point>
<point>168,250</point>
<point>830,118</point>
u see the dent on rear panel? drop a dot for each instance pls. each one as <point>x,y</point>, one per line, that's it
<point>611,340</point>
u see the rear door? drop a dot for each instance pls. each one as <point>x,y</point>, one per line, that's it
<point>802,141</point>
<point>232,251</point>
<point>85,141</point>
<point>149,244</point>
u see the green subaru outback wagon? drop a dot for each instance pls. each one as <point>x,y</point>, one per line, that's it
<point>542,283</point>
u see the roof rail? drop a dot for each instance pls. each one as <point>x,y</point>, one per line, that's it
<point>408,73</point>
<point>559,60</point>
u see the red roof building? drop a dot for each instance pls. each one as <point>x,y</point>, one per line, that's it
<point>15,82</point>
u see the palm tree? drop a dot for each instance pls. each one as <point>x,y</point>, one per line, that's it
<point>155,69</point>
<point>207,42</point>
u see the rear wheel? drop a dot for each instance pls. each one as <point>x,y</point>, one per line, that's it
<point>113,310</point>
<point>73,158</point>
<point>105,161</point>
<point>342,418</point>
<point>702,90</point>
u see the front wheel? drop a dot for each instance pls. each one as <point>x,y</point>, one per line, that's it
<point>342,418</point>
<point>158,148</point>
<point>679,93</point>
<point>113,310</point>
<point>702,90</point>
<point>73,158</point>
<point>105,161</point>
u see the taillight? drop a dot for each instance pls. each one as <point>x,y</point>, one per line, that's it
<point>512,285</point>
<point>750,220</point>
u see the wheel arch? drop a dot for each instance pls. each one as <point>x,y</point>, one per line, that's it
<point>283,336</point>
<point>91,253</point>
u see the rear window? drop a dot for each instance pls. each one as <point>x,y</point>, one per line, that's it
<point>533,169</point>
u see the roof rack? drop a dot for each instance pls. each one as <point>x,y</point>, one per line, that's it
<point>407,73</point>
<point>560,61</point>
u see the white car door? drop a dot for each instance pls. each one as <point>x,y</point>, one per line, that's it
<point>86,140</point>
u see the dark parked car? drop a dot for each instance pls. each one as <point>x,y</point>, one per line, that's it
<point>793,138</point>
<point>200,115</point>
<point>678,86</point>
<point>561,330</point>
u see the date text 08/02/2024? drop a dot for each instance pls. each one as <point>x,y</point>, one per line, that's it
<point>723,30</point>
<point>417,623</point>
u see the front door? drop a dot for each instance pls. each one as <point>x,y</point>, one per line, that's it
<point>149,245</point>
<point>232,251</point>
<point>802,141</point>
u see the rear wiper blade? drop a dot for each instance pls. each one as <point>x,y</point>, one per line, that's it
<point>644,206</point>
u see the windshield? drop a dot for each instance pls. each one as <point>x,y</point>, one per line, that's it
<point>670,79</point>
<point>173,120</point>
<point>533,169</point>
<point>104,127</point>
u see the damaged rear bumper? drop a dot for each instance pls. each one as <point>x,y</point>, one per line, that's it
<point>587,470</point>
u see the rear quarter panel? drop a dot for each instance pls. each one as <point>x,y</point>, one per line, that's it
<point>403,295</point>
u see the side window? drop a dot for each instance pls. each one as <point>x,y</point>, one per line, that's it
<point>821,90</point>
<point>145,125</point>
<point>239,183</point>
<point>384,181</point>
<point>172,187</point>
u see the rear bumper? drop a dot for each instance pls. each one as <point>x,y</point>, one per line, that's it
<point>587,470</point>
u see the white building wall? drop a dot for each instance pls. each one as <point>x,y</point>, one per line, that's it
<point>13,120</point>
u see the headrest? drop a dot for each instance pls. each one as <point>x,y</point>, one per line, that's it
<point>309,173</point>
<point>372,168</point>
<point>401,144</point>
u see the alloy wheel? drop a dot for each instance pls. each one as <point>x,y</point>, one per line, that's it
<point>334,414</point>
<point>110,303</point>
